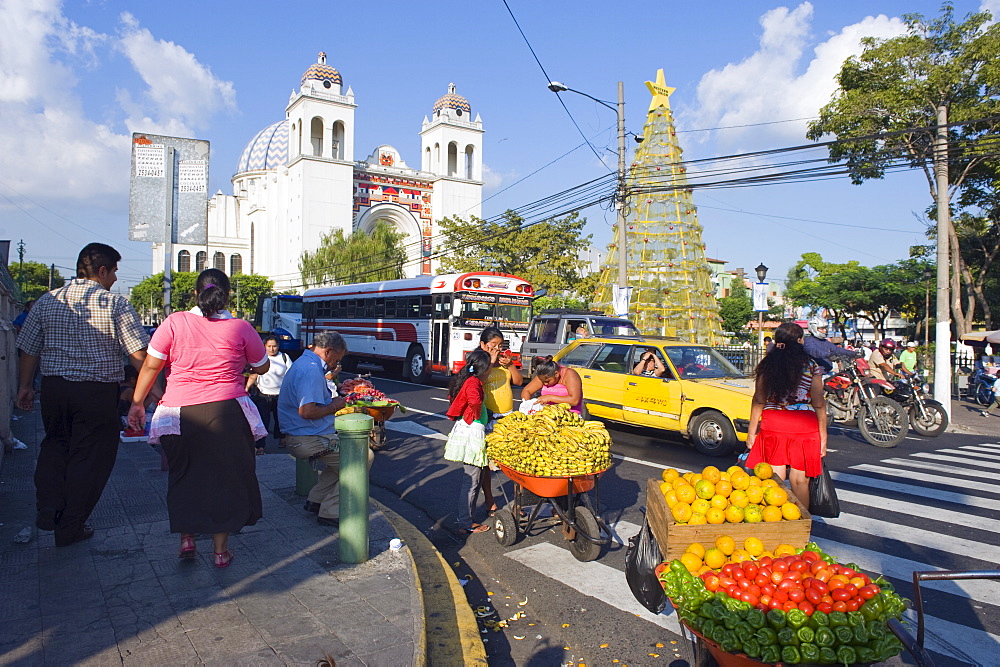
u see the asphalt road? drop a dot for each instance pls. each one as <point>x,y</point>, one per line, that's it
<point>931,503</point>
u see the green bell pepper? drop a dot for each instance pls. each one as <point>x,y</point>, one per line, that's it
<point>810,652</point>
<point>786,637</point>
<point>805,634</point>
<point>796,618</point>
<point>708,627</point>
<point>872,609</point>
<point>790,655</point>
<point>837,618</point>
<point>730,644</point>
<point>730,620</point>
<point>846,655</point>
<point>861,634</point>
<point>865,654</point>
<point>752,648</point>
<point>827,656</point>
<point>825,637</point>
<point>770,655</point>
<point>766,637</point>
<point>776,619</point>
<point>743,631</point>
<point>756,619</point>
<point>844,634</point>
<point>855,618</point>
<point>819,619</point>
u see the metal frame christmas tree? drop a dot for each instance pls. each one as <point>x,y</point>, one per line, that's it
<point>672,293</point>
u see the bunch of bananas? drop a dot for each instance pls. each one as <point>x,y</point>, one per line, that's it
<point>553,442</point>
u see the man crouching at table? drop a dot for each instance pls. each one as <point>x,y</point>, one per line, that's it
<point>305,406</point>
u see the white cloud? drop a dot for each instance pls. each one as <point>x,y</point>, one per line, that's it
<point>494,180</point>
<point>773,84</point>
<point>991,6</point>
<point>52,149</point>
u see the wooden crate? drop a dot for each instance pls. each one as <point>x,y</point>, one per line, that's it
<point>675,538</point>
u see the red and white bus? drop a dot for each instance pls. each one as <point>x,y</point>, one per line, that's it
<point>419,325</point>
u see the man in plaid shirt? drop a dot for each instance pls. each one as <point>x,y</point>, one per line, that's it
<point>82,333</point>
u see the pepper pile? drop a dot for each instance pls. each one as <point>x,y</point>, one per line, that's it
<point>788,631</point>
<point>360,393</point>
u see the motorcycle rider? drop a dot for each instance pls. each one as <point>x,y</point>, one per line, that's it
<point>819,348</point>
<point>883,363</point>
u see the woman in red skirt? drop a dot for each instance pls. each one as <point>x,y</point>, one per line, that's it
<point>788,414</point>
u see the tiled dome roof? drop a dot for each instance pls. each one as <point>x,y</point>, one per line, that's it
<point>453,100</point>
<point>320,71</point>
<point>267,150</point>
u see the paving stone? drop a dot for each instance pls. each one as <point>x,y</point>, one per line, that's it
<point>158,652</point>
<point>364,630</point>
<point>309,651</point>
<point>125,568</point>
<point>135,595</point>
<point>188,576</point>
<point>394,656</point>
<point>221,643</point>
<point>70,646</point>
<point>184,601</point>
<point>60,615</point>
<point>17,555</point>
<point>20,638</point>
<point>280,617</point>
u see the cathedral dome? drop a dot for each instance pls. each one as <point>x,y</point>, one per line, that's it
<point>453,100</point>
<point>320,71</point>
<point>267,150</point>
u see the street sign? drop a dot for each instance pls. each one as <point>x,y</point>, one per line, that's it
<point>760,298</point>
<point>152,172</point>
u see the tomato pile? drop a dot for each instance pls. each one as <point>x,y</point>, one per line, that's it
<point>804,581</point>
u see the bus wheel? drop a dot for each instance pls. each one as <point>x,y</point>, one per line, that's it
<point>416,368</point>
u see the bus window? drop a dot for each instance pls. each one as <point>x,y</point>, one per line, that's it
<point>352,308</point>
<point>442,306</point>
<point>379,308</point>
<point>426,306</point>
<point>511,313</point>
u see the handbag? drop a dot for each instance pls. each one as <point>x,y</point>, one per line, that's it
<point>641,559</point>
<point>823,499</point>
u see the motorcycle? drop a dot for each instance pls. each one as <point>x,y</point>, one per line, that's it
<point>852,397</point>
<point>927,416</point>
<point>982,387</point>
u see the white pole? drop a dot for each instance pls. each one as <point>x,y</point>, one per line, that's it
<point>942,328</point>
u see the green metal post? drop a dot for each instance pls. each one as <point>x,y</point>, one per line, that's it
<point>354,431</point>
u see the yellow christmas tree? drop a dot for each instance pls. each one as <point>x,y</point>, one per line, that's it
<point>672,289</point>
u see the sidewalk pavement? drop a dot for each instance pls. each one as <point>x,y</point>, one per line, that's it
<point>967,417</point>
<point>124,596</point>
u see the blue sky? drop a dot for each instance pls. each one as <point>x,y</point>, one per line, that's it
<point>77,78</point>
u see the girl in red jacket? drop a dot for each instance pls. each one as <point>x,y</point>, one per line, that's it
<point>467,440</point>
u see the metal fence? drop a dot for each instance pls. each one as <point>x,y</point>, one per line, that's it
<point>744,358</point>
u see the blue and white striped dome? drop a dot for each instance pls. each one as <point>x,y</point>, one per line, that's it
<point>267,150</point>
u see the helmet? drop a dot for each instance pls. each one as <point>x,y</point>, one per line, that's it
<point>888,344</point>
<point>815,324</point>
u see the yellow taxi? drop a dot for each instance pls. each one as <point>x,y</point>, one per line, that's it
<point>666,384</point>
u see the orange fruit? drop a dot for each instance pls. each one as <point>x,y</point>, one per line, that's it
<point>732,470</point>
<point>670,497</point>
<point>725,544</point>
<point>771,513</point>
<point>695,478</point>
<point>685,494</point>
<point>740,480</point>
<point>711,473</point>
<point>723,476</point>
<point>739,556</point>
<point>697,519</point>
<point>669,475</point>
<point>700,506</point>
<point>791,512</point>
<point>753,514</point>
<point>697,549</point>
<point>763,470</point>
<point>714,558</point>
<point>734,514</point>
<point>739,498</point>
<point>753,546</point>
<point>705,489</point>
<point>715,516</point>
<point>755,481</point>
<point>691,562</point>
<point>719,502</point>
<point>688,477</point>
<point>784,550</point>
<point>775,495</point>
<point>769,482</point>
<point>682,512</point>
<point>755,494</point>
<point>703,569</point>
<point>664,487</point>
<point>679,482</point>
<point>723,488</point>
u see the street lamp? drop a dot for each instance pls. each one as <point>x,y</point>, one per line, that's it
<point>619,109</point>
<point>928,274</point>
<point>761,275</point>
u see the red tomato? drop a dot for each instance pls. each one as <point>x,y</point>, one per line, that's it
<point>799,566</point>
<point>865,578</point>
<point>787,585</point>
<point>848,572</point>
<point>793,576</point>
<point>840,605</point>
<point>859,581</point>
<point>738,574</point>
<point>854,604</point>
<point>761,580</point>
<point>780,596</point>
<point>841,594</point>
<point>828,599</point>
<point>744,584</point>
<point>810,556</point>
<point>763,607</point>
<point>852,589</point>
<point>750,598</point>
<point>774,604</point>
<point>835,584</point>
<point>750,569</point>
<point>834,568</point>
<point>796,595</point>
<point>726,582</point>
<point>755,589</point>
<point>824,607</point>
<point>779,566</point>
<point>777,577</point>
<point>765,599</point>
<point>816,566</point>
<point>734,592</point>
<point>728,568</point>
<point>824,574</point>
<point>868,592</point>
<point>813,596</point>
<point>768,589</point>
<point>765,561</point>
<point>807,608</point>
<point>788,606</point>
<point>711,581</point>
<point>766,571</point>
<point>819,586</point>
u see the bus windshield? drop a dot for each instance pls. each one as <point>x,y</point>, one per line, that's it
<point>479,310</point>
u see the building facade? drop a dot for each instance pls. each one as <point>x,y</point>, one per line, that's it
<point>299,179</point>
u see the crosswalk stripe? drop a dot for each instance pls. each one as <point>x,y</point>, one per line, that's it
<point>976,455</point>
<point>413,428</point>
<point>979,448</point>
<point>424,412</point>
<point>909,489</point>
<point>924,477</point>
<point>921,510</point>
<point>911,535</point>
<point>939,468</point>
<point>955,459</point>
<point>876,562</point>
<point>658,466</point>
<point>593,579</point>
<point>991,445</point>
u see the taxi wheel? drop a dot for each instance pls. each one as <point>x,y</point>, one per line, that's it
<point>712,434</point>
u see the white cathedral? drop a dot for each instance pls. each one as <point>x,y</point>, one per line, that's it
<point>298,179</point>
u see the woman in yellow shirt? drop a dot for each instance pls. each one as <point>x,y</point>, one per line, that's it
<point>499,397</point>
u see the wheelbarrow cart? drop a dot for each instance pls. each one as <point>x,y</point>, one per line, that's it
<point>571,505</point>
<point>381,414</point>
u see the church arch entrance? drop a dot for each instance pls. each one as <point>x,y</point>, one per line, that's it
<point>404,223</point>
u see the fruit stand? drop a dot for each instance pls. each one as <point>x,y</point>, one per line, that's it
<point>555,459</point>
<point>362,396</point>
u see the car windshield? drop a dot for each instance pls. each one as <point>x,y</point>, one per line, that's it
<point>697,362</point>
<point>612,326</point>
<point>289,305</point>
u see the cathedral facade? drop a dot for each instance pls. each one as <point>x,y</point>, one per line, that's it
<point>298,179</point>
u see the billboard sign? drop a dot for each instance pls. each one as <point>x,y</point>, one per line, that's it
<point>159,162</point>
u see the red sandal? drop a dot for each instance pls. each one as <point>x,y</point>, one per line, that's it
<point>224,559</point>
<point>188,549</point>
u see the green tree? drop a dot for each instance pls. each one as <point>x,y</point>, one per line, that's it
<point>355,258</point>
<point>247,289</point>
<point>147,296</point>
<point>890,95</point>
<point>547,254</point>
<point>33,277</point>
<point>736,309</point>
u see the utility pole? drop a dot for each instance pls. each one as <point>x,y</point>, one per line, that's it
<point>942,328</point>
<point>620,200</point>
<point>20,257</point>
<point>52,275</point>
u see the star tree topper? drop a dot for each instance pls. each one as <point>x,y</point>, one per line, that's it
<point>661,92</point>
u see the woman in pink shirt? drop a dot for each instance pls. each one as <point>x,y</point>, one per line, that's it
<point>205,422</point>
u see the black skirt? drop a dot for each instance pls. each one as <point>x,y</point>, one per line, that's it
<point>212,484</point>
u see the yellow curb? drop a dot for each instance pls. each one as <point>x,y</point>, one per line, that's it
<point>451,633</point>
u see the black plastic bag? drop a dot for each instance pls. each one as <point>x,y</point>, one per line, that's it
<point>641,559</point>
<point>823,499</point>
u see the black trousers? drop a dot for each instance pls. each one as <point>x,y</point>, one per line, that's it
<point>79,450</point>
<point>267,406</point>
